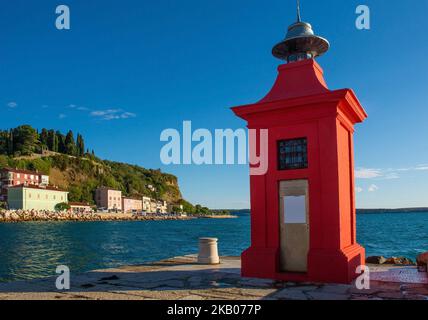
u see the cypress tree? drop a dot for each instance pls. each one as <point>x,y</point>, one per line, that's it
<point>61,142</point>
<point>70,144</point>
<point>4,142</point>
<point>55,143</point>
<point>51,139</point>
<point>44,138</point>
<point>10,145</point>
<point>80,145</point>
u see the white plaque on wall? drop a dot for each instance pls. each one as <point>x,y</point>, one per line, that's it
<point>295,209</point>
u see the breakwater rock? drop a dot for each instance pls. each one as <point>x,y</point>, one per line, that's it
<point>42,215</point>
<point>401,261</point>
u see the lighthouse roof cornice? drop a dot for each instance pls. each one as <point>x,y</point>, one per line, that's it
<point>343,99</point>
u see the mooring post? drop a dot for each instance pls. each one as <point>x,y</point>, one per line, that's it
<point>208,251</point>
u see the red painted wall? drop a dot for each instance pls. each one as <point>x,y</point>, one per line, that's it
<point>300,105</point>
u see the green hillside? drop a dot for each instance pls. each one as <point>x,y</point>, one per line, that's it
<point>81,176</point>
<point>70,167</point>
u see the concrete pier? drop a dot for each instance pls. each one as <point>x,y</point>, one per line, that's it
<point>182,278</point>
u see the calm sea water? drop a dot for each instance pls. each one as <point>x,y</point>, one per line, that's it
<point>33,250</point>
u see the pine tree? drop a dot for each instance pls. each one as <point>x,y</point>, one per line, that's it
<point>25,140</point>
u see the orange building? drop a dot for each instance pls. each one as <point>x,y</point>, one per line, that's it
<point>14,177</point>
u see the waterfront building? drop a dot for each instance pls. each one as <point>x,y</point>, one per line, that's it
<point>32,197</point>
<point>108,198</point>
<point>80,207</point>
<point>150,205</point>
<point>14,177</point>
<point>162,207</point>
<point>131,205</point>
<point>153,206</point>
<point>303,216</point>
<point>147,202</point>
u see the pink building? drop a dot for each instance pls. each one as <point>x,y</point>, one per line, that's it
<point>132,205</point>
<point>108,198</point>
<point>15,177</point>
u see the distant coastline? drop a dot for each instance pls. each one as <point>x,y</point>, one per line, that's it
<point>359,211</point>
<point>400,210</point>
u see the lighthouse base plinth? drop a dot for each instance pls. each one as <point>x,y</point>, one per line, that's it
<point>324,266</point>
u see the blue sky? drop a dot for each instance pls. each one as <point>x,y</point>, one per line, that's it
<point>129,69</point>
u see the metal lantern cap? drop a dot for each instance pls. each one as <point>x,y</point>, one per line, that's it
<point>300,42</point>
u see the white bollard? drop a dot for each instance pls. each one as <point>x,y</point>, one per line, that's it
<point>208,251</point>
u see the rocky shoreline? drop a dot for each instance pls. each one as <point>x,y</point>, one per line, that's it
<point>398,261</point>
<point>7,216</point>
<point>421,261</point>
<point>15,216</point>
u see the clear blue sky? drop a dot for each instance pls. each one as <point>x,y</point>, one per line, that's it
<point>154,64</point>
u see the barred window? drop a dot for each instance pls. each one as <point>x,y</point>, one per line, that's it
<point>293,154</point>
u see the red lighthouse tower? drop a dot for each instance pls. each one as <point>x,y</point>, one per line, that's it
<point>303,216</point>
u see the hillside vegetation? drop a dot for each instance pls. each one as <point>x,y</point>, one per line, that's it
<point>81,176</point>
<point>80,172</point>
